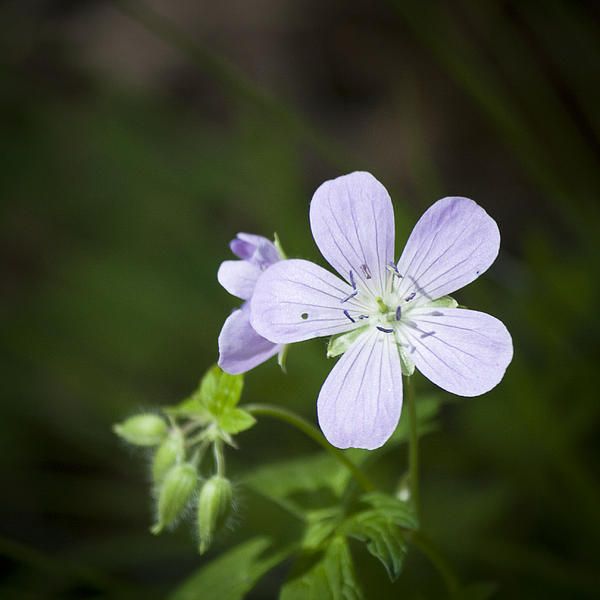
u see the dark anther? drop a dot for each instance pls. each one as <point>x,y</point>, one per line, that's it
<point>352,282</point>
<point>393,268</point>
<point>384,329</point>
<point>350,296</point>
<point>349,316</point>
<point>304,316</point>
<point>427,334</point>
<point>437,313</point>
<point>361,317</point>
<point>410,297</point>
<point>366,271</point>
<point>398,313</point>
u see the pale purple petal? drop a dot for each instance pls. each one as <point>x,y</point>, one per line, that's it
<point>451,245</point>
<point>360,402</point>
<point>463,351</point>
<point>352,221</point>
<point>255,249</point>
<point>238,277</point>
<point>296,300</point>
<point>240,347</point>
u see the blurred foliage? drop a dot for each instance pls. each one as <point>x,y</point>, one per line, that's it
<point>118,201</point>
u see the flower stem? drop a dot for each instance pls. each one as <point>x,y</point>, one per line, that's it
<point>413,448</point>
<point>312,432</point>
<point>219,457</point>
<point>451,581</point>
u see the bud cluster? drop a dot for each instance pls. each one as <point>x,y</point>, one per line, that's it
<point>180,441</point>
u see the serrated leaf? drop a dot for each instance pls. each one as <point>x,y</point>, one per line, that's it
<point>234,420</point>
<point>281,480</point>
<point>220,390</point>
<point>321,524</point>
<point>332,578</point>
<point>233,574</point>
<point>383,527</point>
<point>217,392</point>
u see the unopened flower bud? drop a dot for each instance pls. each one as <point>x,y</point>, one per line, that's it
<point>175,492</point>
<point>169,452</point>
<point>214,506</point>
<point>142,430</point>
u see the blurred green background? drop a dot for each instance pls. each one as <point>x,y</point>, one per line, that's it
<point>135,146</point>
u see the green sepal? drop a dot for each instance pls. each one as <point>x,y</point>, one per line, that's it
<point>407,364</point>
<point>214,507</point>
<point>443,302</point>
<point>174,494</point>
<point>169,453</point>
<point>282,357</point>
<point>279,247</point>
<point>338,344</point>
<point>142,430</point>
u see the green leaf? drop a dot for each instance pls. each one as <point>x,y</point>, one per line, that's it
<point>338,344</point>
<point>234,420</point>
<point>281,480</point>
<point>332,578</point>
<point>383,527</point>
<point>233,574</point>
<point>218,391</point>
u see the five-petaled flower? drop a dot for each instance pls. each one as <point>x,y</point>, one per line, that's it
<point>240,347</point>
<point>393,316</point>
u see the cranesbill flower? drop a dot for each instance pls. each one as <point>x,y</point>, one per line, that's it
<point>240,347</point>
<point>386,317</point>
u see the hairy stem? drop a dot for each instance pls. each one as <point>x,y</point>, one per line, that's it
<point>219,458</point>
<point>312,432</point>
<point>413,447</point>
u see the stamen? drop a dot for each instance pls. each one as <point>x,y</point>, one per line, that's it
<point>398,313</point>
<point>410,297</point>
<point>349,316</point>
<point>352,282</point>
<point>384,329</point>
<point>393,268</point>
<point>427,334</point>
<point>361,317</point>
<point>349,297</point>
<point>437,313</point>
<point>366,271</point>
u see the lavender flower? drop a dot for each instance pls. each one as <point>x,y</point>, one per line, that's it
<point>240,347</point>
<point>388,317</point>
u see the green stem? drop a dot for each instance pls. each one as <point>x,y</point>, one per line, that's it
<point>219,457</point>
<point>451,581</point>
<point>312,432</point>
<point>413,447</point>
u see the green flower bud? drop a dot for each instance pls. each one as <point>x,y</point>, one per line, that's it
<point>214,506</point>
<point>171,451</point>
<point>175,492</point>
<point>142,430</point>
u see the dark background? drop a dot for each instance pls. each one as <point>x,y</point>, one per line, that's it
<point>132,150</point>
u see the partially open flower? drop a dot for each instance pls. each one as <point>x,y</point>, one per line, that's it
<point>240,347</point>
